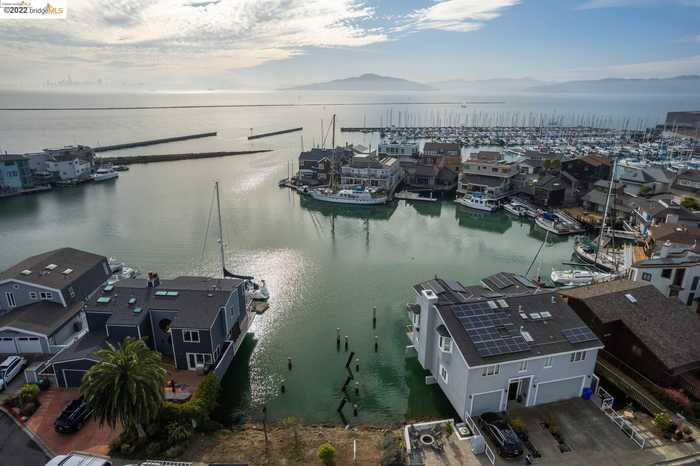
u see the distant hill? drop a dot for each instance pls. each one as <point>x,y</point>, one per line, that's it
<point>499,85</point>
<point>366,82</point>
<point>688,85</point>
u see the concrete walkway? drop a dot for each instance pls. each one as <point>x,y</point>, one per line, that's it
<point>16,447</point>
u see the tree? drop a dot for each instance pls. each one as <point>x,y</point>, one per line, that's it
<point>690,203</point>
<point>125,386</point>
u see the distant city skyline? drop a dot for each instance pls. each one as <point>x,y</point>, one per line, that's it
<point>249,44</point>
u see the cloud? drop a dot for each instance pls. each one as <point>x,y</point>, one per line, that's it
<point>654,69</point>
<point>596,4</point>
<point>458,15</point>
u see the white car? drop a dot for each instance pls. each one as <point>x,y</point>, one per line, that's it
<point>10,367</point>
<point>79,459</point>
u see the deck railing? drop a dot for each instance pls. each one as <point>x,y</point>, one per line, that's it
<point>604,401</point>
<point>478,442</point>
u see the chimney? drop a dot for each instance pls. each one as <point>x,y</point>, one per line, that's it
<point>666,249</point>
<point>153,280</point>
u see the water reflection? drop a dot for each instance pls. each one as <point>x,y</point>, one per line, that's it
<point>540,234</point>
<point>496,222</point>
<point>327,209</point>
<point>428,209</point>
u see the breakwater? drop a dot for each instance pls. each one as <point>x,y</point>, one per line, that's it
<point>134,159</point>
<point>274,133</point>
<point>153,142</point>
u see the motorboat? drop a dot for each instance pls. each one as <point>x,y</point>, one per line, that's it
<point>104,174</point>
<point>479,202</point>
<point>121,168</point>
<point>519,209</point>
<point>257,291</point>
<point>579,277</point>
<point>357,196</point>
<point>553,223</point>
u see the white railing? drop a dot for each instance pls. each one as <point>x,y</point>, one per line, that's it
<point>478,442</point>
<point>604,401</point>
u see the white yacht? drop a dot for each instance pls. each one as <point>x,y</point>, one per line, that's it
<point>519,209</point>
<point>257,291</point>
<point>479,202</point>
<point>579,277</point>
<point>358,196</point>
<point>104,174</point>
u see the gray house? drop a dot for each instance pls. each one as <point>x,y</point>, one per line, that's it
<point>489,348</point>
<point>41,299</point>
<point>196,322</point>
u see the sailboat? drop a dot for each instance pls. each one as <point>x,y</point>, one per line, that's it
<point>254,291</point>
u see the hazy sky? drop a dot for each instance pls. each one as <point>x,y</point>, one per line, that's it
<point>198,44</point>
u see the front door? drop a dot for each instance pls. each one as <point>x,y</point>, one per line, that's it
<point>513,390</point>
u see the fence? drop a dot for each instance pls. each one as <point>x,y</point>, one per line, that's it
<point>478,443</point>
<point>604,401</point>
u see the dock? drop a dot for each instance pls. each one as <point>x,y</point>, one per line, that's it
<point>152,142</point>
<point>129,160</point>
<point>274,133</point>
<point>409,196</point>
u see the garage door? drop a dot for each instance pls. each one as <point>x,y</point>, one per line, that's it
<point>561,390</point>
<point>7,345</point>
<point>29,345</point>
<point>485,402</point>
<point>73,377</point>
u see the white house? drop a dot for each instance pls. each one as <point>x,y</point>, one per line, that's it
<point>500,344</point>
<point>371,172</point>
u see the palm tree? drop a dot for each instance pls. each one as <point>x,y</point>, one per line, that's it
<point>126,386</point>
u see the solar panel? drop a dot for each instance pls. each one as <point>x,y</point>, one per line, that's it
<point>455,286</point>
<point>524,281</point>
<point>509,345</point>
<point>578,335</point>
<point>500,280</point>
<point>435,286</point>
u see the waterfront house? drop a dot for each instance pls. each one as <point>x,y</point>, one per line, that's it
<point>645,180</point>
<point>586,170</point>
<point>371,172</point>
<point>442,154</point>
<point>316,165</point>
<point>196,322</point>
<point>687,183</point>
<point>490,349</point>
<point>673,270</point>
<point>15,174</point>
<point>65,165</point>
<point>398,150</point>
<point>432,178</point>
<point>645,332</point>
<point>488,173</point>
<point>41,299</point>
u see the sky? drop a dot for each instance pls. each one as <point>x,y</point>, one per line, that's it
<point>265,44</point>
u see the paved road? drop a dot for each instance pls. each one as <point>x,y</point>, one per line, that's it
<point>16,447</point>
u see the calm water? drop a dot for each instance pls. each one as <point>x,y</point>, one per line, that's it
<point>326,267</point>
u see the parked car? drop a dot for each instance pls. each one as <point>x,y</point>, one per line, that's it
<point>10,367</point>
<point>79,459</point>
<point>495,427</point>
<point>73,417</point>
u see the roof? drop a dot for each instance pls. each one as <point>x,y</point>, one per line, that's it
<point>13,157</point>
<point>85,348</point>
<point>487,156</point>
<point>317,154</point>
<point>546,334</point>
<point>79,262</point>
<point>595,160</point>
<point>42,317</point>
<point>677,234</point>
<point>508,283</point>
<point>675,257</point>
<point>197,300</point>
<point>441,147</point>
<point>550,183</point>
<point>490,181</point>
<point>665,326</point>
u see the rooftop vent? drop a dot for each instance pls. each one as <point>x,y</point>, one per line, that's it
<point>26,272</point>
<point>51,267</point>
<point>67,272</point>
<point>631,298</point>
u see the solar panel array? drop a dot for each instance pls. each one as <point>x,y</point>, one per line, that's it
<point>578,335</point>
<point>500,280</point>
<point>490,328</point>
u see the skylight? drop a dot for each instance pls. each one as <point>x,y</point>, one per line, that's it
<point>26,272</point>
<point>523,316</point>
<point>535,316</point>
<point>502,303</point>
<point>545,314</point>
<point>103,299</point>
<point>631,298</point>
<point>526,335</point>
<point>492,304</point>
<point>67,272</point>
<point>108,288</point>
<point>51,267</point>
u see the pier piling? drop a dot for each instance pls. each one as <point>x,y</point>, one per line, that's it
<point>376,343</point>
<point>289,363</point>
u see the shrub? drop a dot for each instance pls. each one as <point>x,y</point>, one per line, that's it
<point>677,396</point>
<point>126,449</point>
<point>689,203</point>
<point>28,408</point>
<point>174,451</point>
<point>326,453</point>
<point>29,393</point>
<point>198,409</point>
<point>178,432</point>
<point>153,449</point>
<point>663,421</point>
<point>393,452</point>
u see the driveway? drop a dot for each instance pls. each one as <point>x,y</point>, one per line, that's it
<point>16,447</point>
<point>91,438</point>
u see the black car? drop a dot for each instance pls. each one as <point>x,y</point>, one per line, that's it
<point>73,417</point>
<point>503,436</point>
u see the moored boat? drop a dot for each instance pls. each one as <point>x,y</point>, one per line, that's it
<point>579,277</point>
<point>357,196</point>
<point>478,201</point>
<point>104,174</point>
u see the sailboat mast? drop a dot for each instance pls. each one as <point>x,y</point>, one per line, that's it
<point>605,214</point>
<point>333,137</point>
<point>221,229</point>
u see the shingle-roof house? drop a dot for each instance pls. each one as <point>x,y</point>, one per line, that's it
<point>502,343</point>
<point>315,165</point>
<point>587,170</point>
<point>197,322</point>
<point>653,334</point>
<point>687,183</point>
<point>41,299</point>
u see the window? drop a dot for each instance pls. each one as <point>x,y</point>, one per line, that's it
<point>646,276</point>
<point>691,297</point>
<point>491,370</point>
<point>71,292</point>
<point>578,356</point>
<point>190,336</point>
<point>548,362</point>
<point>33,295</point>
<point>443,373</point>
<point>666,273</point>
<point>523,366</point>
<point>445,344</point>
<point>10,299</point>
<point>694,285</point>
<point>45,295</point>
